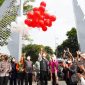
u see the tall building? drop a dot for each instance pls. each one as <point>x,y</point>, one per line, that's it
<point>80,24</point>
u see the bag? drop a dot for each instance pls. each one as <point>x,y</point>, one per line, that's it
<point>74,79</point>
<point>60,73</point>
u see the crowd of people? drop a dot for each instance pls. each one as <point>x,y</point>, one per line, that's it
<point>74,68</point>
<point>22,72</point>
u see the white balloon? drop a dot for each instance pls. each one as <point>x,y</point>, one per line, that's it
<point>13,24</point>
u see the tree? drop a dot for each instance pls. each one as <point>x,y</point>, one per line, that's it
<point>71,42</point>
<point>48,50</point>
<point>1,2</point>
<point>26,39</point>
<point>32,50</point>
<point>59,51</point>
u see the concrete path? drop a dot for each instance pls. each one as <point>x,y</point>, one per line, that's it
<point>49,83</point>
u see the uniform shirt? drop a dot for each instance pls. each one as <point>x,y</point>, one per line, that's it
<point>37,66</point>
<point>28,66</point>
<point>44,65</point>
<point>5,68</point>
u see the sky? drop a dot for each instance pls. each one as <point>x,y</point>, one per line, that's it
<point>56,34</point>
<point>63,10</point>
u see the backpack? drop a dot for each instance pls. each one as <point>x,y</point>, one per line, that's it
<point>60,73</point>
<point>74,79</point>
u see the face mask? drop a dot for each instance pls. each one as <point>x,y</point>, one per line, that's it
<point>28,58</point>
<point>79,59</point>
<point>13,60</point>
<point>44,55</point>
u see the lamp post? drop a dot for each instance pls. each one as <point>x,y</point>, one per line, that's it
<point>56,44</point>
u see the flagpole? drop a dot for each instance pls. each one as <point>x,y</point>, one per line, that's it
<point>21,7</point>
<point>21,32</point>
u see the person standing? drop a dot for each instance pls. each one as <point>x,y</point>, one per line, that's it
<point>44,70</point>
<point>5,68</point>
<point>13,73</point>
<point>71,73</point>
<point>37,69</point>
<point>53,64</point>
<point>20,71</point>
<point>28,71</point>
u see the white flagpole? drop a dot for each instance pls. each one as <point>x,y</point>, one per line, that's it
<point>21,32</point>
<point>21,7</point>
<point>80,24</point>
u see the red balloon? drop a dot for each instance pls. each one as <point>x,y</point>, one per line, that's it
<point>26,21</point>
<point>52,18</point>
<point>30,15</point>
<point>29,22</point>
<point>42,17</point>
<point>33,24</point>
<point>48,22</point>
<point>37,23</point>
<point>35,9</point>
<point>36,14</point>
<point>39,18</point>
<point>44,28</point>
<point>41,23</point>
<point>43,4</point>
<point>46,15</point>
<point>41,9</point>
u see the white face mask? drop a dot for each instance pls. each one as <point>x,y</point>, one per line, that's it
<point>13,60</point>
<point>79,59</point>
<point>28,58</point>
<point>44,55</point>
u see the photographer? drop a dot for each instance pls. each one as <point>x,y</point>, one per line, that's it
<point>67,55</point>
<point>70,71</point>
<point>70,68</point>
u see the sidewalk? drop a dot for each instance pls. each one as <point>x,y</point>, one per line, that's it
<point>49,83</point>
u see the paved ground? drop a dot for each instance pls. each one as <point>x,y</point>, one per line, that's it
<point>49,83</point>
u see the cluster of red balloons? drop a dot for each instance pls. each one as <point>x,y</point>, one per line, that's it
<point>39,17</point>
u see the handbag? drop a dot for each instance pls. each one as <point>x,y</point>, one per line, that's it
<point>74,78</point>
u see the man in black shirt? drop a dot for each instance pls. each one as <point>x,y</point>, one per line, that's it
<point>44,70</point>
